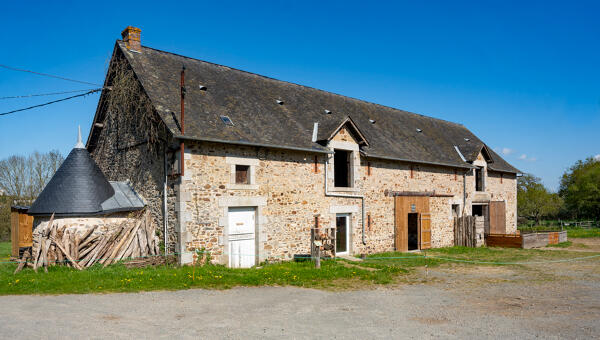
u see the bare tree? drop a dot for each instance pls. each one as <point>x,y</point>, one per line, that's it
<point>13,179</point>
<point>25,177</point>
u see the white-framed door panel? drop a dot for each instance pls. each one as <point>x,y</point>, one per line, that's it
<point>343,233</point>
<point>242,237</point>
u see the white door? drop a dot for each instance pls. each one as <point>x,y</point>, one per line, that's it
<point>342,234</point>
<point>241,237</point>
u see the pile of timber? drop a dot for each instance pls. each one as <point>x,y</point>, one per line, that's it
<point>83,247</point>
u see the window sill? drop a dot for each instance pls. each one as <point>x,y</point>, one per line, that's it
<point>232,186</point>
<point>345,189</point>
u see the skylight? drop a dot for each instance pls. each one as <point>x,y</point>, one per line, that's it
<point>226,120</point>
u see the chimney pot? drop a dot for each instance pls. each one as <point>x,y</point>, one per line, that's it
<point>132,38</point>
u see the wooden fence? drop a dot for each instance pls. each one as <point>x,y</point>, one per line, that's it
<point>465,233</point>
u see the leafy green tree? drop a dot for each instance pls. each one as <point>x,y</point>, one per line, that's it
<point>534,200</point>
<point>580,189</point>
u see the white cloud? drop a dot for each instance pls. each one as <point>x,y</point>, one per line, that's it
<point>507,151</point>
<point>524,157</point>
<point>597,157</point>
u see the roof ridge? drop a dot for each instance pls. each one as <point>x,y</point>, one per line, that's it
<point>304,86</point>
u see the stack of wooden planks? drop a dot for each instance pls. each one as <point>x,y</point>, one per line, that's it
<point>81,248</point>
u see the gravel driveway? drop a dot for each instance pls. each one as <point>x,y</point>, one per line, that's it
<point>454,302</point>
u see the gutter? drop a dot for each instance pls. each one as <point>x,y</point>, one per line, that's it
<point>362,201</point>
<point>273,146</point>
<point>466,166</point>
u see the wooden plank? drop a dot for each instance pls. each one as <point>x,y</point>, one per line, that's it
<point>425,231</point>
<point>401,223</point>
<point>25,231</point>
<point>497,217</point>
<point>504,240</point>
<point>14,233</point>
<point>67,255</point>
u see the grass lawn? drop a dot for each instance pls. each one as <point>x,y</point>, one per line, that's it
<point>583,233</point>
<point>378,269</point>
<point>5,249</point>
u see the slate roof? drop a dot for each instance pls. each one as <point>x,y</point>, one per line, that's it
<point>79,188</point>
<point>250,101</point>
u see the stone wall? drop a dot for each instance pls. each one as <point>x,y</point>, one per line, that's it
<point>289,193</point>
<point>125,150</point>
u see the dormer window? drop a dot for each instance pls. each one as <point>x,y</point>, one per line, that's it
<point>342,165</point>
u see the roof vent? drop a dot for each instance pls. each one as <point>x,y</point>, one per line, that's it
<point>280,102</point>
<point>226,120</point>
<point>328,112</point>
<point>467,139</point>
<point>419,130</point>
<point>202,87</point>
<point>372,121</point>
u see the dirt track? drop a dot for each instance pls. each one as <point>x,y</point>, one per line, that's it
<point>549,301</point>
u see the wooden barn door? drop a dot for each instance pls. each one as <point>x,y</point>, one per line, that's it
<point>497,213</point>
<point>400,216</point>
<point>405,205</point>
<point>425,231</point>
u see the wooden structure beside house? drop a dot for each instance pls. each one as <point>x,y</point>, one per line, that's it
<point>21,227</point>
<point>239,164</point>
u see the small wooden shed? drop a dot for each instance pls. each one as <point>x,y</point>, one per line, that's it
<point>21,229</point>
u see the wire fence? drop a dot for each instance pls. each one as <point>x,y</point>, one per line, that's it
<point>367,259</point>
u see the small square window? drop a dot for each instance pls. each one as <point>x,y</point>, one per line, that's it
<point>242,174</point>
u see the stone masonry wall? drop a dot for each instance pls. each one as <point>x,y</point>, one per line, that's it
<point>123,153</point>
<point>289,193</point>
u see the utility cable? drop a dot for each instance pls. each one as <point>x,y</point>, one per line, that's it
<point>43,94</point>
<point>52,102</point>
<point>48,75</point>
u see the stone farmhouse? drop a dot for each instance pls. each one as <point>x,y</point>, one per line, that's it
<point>244,166</point>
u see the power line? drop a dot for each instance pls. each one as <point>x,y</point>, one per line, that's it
<point>48,75</point>
<point>52,102</point>
<point>43,94</point>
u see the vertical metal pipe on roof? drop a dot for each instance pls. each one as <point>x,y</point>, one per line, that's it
<point>181,144</point>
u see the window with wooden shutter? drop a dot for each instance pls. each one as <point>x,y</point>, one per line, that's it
<point>242,174</point>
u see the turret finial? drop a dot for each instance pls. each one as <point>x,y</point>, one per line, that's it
<point>79,144</point>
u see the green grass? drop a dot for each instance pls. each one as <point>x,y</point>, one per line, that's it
<point>5,250</point>
<point>561,245</point>
<point>583,233</point>
<point>117,278</point>
<point>377,269</point>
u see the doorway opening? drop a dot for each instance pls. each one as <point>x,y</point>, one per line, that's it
<point>342,239</point>
<point>477,210</point>
<point>413,231</point>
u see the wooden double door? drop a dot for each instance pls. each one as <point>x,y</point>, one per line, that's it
<point>412,223</point>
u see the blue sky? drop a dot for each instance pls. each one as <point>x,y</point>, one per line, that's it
<point>523,76</point>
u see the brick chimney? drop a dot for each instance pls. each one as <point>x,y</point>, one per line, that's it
<point>132,38</point>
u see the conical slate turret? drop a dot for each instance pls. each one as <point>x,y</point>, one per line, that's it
<point>77,188</point>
